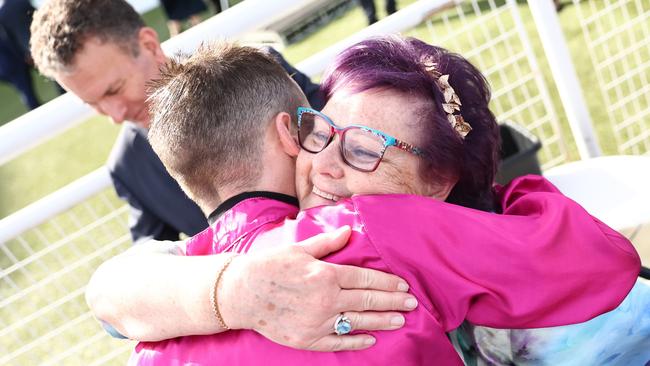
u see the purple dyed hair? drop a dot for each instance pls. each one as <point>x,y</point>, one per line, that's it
<point>398,64</point>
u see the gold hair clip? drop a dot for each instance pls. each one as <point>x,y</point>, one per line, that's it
<point>451,106</point>
<point>452,103</point>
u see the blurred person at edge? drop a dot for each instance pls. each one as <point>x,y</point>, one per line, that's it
<point>217,6</point>
<point>179,11</point>
<point>371,11</point>
<point>101,51</point>
<point>15,60</point>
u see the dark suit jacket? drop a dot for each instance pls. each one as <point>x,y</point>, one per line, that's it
<point>15,17</point>
<point>159,208</point>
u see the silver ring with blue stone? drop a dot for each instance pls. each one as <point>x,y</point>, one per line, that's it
<point>342,325</point>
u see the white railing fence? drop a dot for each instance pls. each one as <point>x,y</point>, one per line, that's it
<point>44,273</point>
<point>494,38</point>
<point>556,50</point>
<point>617,38</point>
<point>49,249</point>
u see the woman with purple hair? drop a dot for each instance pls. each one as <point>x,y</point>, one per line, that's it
<point>405,152</point>
<point>417,76</point>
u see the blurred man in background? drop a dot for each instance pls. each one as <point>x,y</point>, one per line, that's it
<point>371,12</point>
<point>102,51</point>
<point>179,11</point>
<point>15,60</point>
<point>217,6</point>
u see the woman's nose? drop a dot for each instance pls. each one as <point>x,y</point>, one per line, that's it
<point>328,161</point>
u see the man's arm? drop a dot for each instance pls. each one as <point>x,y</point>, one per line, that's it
<point>264,292</point>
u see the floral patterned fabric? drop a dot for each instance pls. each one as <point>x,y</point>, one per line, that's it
<point>619,337</point>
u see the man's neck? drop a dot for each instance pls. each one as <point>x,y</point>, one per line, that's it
<point>277,175</point>
<point>234,200</point>
<point>226,193</point>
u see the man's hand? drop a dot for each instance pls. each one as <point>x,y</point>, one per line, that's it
<point>292,298</point>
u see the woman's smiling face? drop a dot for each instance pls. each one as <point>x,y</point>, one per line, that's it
<point>324,178</point>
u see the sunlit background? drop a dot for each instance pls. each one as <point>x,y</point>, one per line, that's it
<point>46,263</point>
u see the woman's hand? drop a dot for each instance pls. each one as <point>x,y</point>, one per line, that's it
<point>286,294</point>
<point>292,298</point>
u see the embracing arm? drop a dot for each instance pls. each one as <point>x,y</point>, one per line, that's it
<point>151,296</point>
<point>544,262</point>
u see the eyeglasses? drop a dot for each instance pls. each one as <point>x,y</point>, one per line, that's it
<point>362,147</point>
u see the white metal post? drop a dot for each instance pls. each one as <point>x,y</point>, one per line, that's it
<point>564,74</point>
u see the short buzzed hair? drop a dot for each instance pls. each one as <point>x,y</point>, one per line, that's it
<point>61,27</point>
<point>210,113</point>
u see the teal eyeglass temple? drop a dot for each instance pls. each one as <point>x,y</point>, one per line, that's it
<point>388,139</point>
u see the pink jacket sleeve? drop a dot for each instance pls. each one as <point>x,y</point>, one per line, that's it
<point>200,243</point>
<point>543,262</point>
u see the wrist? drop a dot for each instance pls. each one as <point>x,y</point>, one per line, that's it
<point>230,291</point>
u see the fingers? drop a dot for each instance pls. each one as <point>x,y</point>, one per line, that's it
<point>374,321</point>
<point>323,244</point>
<point>351,277</point>
<point>369,300</point>
<point>334,343</point>
<point>359,321</point>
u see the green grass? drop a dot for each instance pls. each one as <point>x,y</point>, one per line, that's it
<point>12,107</point>
<point>57,162</point>
<point>353,21</point>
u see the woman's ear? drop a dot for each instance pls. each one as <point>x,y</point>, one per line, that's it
<point>287,138</point>
<point>441,191</point>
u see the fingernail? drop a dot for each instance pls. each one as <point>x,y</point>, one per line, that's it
<point>402,286</point>
<point>369,341</point>
<point>343,228</point>
<point>397,321</point>
<point>411,303</point>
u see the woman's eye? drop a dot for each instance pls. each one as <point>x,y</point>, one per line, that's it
<point>361,153</point>
<point>319,136</point>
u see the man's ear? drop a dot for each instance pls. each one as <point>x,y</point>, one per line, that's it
<point>287,139</point>
<point>149,42</point>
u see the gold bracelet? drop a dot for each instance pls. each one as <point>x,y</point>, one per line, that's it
<point>213,295</point>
